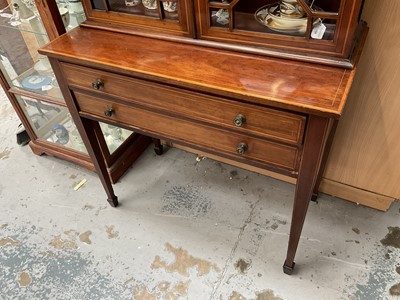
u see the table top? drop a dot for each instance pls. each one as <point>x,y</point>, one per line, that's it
<point>297,86</point>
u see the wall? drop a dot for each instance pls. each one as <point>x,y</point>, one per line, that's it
<point>364,164</point>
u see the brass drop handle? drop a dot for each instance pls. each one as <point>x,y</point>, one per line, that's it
<point>241,148</point>
<point>239,120</point>
<point>98,84</point>
<point>109,112</point>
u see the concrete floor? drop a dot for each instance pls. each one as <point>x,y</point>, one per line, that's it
<point>184,230</point>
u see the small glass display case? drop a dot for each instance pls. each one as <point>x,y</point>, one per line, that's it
<point>29,80</point>
<point>29,76</point>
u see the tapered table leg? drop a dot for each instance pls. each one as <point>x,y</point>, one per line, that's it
<point>92,132</point>
<point>316,134</point>
<point>325,156</point>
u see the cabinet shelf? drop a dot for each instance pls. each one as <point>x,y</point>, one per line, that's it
<point>30,25</point>
<point>29,83</point>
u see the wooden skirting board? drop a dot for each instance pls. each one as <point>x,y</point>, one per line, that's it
<point>353,194</point>
<point>333,188</point>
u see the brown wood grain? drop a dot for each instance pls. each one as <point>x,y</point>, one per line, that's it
<point>297,86</point>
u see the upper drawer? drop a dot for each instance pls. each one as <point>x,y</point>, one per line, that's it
<point>246,118</point>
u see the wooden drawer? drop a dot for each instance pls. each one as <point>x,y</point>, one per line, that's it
<point>191,132</point>
<point>260,121</point>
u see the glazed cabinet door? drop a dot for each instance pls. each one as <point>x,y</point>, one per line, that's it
<point>165,17</point>
<point>25,26</point>
<point>316,27</point>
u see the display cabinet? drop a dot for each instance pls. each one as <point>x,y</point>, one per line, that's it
<point>33,90</point>
<point>325,32</point>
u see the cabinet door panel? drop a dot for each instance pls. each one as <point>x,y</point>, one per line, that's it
<point>317,27</point>
<point>169,17</point>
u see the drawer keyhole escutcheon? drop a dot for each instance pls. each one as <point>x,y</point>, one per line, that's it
<point>109,112</point>
<point>239,120</point>
<point>241,148</point>
<point>98,84</point>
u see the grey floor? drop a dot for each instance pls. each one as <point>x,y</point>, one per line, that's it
<point>185,229</point>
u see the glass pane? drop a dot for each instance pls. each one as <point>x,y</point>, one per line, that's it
<point>323,29</point>
<point>147,8</point>
<point>220,1</point>
<point>323,5</point>
<point>167,10</point>
<point>22,65</point>
<point>71,12</point>
<point>285,17</point>
<point>170,10</point>
<point>51,123</point>
<point>114,136</point>
<point>38,79</point>
<point>219,17</point>
<point>98,4</point>
<point>21,34</point>
<point>22,17</point>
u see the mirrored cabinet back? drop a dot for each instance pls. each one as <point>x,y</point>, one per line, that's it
<point>320,31</point>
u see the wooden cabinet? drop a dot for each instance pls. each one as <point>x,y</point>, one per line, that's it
<point>190,81</point>
<point>320,31</point>
<point>33,90</point>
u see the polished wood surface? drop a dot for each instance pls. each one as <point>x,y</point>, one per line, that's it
<point>364,157</point>
<point>204,136</point>
<point>269,123</point>
<point>297,86</point>
<point>314,148</point>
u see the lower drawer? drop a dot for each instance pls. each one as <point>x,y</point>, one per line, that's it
<point>190,132</point>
